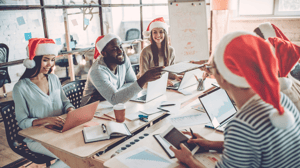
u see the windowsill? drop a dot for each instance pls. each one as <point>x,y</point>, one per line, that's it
<point>244,18</point>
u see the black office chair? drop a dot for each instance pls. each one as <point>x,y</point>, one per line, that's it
<point>132,34</point>
<point>74,90</point>
<point>4,76</point>
<point>15,141</point>
<point>136,68</point>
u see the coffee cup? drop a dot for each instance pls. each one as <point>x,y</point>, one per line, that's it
<point>119,110</point>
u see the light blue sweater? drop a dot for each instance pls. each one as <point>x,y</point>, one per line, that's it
<point>32,103</point>
<point>111,86</point>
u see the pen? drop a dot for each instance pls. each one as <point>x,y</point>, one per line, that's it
<point>162,109</point>
<point>103,128</point>
<point>194,137</point>
<point>196,77</point>
<point>165,105</point>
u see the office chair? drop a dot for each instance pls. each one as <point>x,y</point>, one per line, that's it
<point>132,34</point>
<point>74,90</point>
<point>4,76</point>
<point>15,141</point>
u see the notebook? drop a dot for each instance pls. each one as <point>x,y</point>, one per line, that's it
<point>218,107</point>
<point>77,117</point>
<point>154,89</point>
<point>188,80</point>
<point>182,67</point>
<point>113,129</point>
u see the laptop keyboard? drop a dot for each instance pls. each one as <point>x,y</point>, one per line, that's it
<point>142,97</point>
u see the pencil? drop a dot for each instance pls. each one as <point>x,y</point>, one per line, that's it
<point>109,116</point>
<point>103,118</point>
<point>196,77</point>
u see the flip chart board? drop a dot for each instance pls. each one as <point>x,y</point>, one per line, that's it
<point>188,30</point>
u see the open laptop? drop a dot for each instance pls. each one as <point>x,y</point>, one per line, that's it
<point>77,117</point>
<point>218,107</point>
<point>154,89</point>
<point>182,67</point>
<point>188,80</point>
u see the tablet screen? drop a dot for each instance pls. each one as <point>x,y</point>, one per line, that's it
<point>175,137</point>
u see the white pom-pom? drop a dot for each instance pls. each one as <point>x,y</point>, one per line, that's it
<point>285,83</point>
<point>146,34</point>
<point>284,121</point>
<point>29,63</point>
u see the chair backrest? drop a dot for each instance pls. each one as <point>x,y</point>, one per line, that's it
<point>15,141</point>
<point>4,52</point>
<point>74,90</point>
<point>132,34</point>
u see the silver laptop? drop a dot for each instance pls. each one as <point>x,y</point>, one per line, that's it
<point>188,80</point>
<point>218,107</point>
<point>154,89</point>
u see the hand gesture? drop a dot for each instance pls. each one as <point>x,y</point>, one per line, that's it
<point>202,142</point>
<point>184,155</point>
<point>178,77</point>
<point>170,83</point>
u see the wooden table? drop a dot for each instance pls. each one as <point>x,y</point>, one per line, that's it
<point>70,147</point>
<point>109,159</point>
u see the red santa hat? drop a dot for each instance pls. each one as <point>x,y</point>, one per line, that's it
<point>287,54</point>
<point>156,23</point>
<point>39,47</point>
<point>247,61</point>
<point>102,41</point>
<point>270,30</point>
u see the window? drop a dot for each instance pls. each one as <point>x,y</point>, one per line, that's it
<point>269,7</point>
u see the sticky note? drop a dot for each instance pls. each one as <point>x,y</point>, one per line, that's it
<point>27,36</point>
<point>74,22</point>
<point>58,41</point>
<point>36,22</point>
<point>86,21</point>
<point>20,20</point>
<point>72,44</point>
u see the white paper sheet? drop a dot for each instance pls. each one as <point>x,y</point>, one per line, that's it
<point>189,120</point>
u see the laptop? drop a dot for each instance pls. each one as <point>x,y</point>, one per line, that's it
<point>188,80</point>
<point>218,107</point>
<point>154,89</point>
<point>77,117</point>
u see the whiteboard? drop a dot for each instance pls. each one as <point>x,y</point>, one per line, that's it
<point>188,30</point>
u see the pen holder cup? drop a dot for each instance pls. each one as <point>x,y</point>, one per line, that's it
<point>119,111</point>
<point>200,86</point>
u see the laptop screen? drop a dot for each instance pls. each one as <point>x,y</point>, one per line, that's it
<point>218,106</point>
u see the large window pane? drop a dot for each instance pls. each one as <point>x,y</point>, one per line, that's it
<point>154,1</point>
<point>119,20</point>
<point>85,28</point>
<point>120,1</point>
<point>289,5</point>
<point>256,7</point>
<point>14,2</point>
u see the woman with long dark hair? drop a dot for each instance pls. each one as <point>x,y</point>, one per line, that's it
<point>38,95</point>
<point>159,53</point>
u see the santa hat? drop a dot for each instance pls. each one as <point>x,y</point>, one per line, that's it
<point>246,61</point>
<point>287,54</point>
<point>156,23</point>
<point>39,47</point>
<point>270,30</point>
<point>102,41</point>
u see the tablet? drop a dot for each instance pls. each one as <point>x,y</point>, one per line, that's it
<point>175,137</point>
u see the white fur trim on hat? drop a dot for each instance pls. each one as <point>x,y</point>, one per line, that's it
<point>284,121</point>
<point>29,64</point>
<point>158,25</point>
<point>106,39</point>
<point>46,49</point>
<point>267,30</point>
<point>219,60</point>
<point>285,83</point>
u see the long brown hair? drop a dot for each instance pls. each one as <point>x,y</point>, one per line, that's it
<point>164,46</point>
<point>30,73</point>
